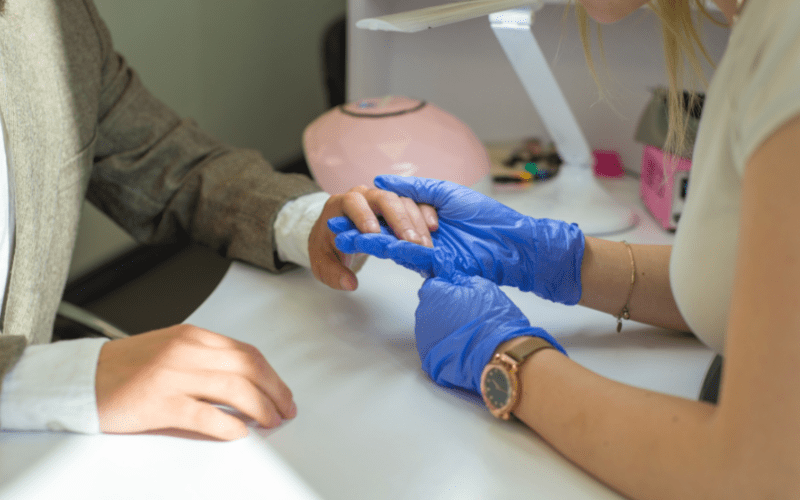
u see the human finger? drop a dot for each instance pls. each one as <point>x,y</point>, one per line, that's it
<point>236,392</point>
<point>430,215</point>
<point>328,264</point>
<point>340,224</point>
<point>255,367</point>
<point>401,217</point>
<point>418,220</point>
<point>419,189</point>
<point>355,205</point>
<point>237,358</point>
<point>204,418</point>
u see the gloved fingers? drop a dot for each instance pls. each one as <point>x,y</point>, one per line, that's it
<point>375,244</point>
<point>409,255</point>
<point>382,245</point>
<point>421,190</point>
<point>452,201</point>
<point>345,241</point>
<point>447,292</point>
<point>354,241</point>
<point>431,324</point>
<point>341,224</point>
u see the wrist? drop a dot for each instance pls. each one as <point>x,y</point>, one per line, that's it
<point>510,344</point>
<point>501,385</point>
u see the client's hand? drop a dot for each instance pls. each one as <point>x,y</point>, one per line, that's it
<point>362,206</point>
<point>459,325</point>
<point>171,378</point>
<point>478,236</point>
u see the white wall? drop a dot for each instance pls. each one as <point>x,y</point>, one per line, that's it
<point>462,69</point>
<point>249,71</point>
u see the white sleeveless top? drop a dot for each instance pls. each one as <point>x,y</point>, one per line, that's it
<point>755,90</point>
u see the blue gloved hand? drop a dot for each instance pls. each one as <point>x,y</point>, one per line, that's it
<point>478,236</point>
<point>459,325</point>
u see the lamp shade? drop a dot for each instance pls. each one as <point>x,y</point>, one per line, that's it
<point>351,144</point>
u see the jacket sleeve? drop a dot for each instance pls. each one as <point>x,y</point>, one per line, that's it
<point>11,348</point>
<point>162,178</point>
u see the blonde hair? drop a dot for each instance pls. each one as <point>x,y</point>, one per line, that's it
<point>681,43</point>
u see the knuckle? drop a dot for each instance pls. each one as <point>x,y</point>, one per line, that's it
<point>193,333</point>
<point>245,358</point>
<point>336,199</point>
<point>387,195</point>
<point>233,385</point>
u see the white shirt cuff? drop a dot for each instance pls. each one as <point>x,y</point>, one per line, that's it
<point>52,387</point>
<point>293,227</point>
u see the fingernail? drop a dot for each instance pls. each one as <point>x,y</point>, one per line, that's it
<point>411,235</point>
<point>373,226</point>
<point>427,241</point>
<point>292,412</point>
<point>346,284</point>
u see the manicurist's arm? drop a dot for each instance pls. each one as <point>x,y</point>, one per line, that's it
<point>649,445</point>
<point>606,280</point>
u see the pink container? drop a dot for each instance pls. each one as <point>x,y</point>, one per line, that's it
<point>351,144</point>
<point>607,164</point>
<point>663,187</point>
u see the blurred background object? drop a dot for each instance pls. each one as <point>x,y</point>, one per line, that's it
<point>665,177</point>
<point>353,143</point>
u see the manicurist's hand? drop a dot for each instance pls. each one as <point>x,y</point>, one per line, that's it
<point>171,378</point>
<point>362,205</point>
<point>479,236</point>
<point>459,324</point>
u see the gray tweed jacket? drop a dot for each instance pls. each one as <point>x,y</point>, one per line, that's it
<point>81,125</point>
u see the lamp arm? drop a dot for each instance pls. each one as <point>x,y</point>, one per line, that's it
<point>440,15</point>
<point>513,29</point>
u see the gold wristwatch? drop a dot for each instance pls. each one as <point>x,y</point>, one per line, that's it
<point>500,385</point>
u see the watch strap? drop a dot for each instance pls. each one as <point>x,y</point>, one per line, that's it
<point>522,351</point>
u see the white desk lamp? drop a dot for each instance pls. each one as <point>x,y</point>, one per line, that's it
<point>574,195</point>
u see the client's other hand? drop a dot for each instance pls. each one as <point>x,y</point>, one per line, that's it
<point>172,378</point>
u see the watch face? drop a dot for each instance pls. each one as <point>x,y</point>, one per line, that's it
<point>496,388</point>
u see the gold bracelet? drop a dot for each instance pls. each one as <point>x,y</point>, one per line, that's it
<point>625,313</point>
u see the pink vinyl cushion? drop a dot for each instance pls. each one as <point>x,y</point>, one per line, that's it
<point>351,144</point>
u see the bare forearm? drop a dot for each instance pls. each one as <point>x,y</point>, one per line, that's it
<point>641,443</point>
<point>606,280</point>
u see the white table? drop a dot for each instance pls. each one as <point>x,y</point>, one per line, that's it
<point>370,423</point>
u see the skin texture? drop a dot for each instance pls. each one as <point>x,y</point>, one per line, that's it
<point>605,276</point>
<point>171,379</point>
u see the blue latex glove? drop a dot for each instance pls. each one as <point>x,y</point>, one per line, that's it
<point>459,325</point>
<point>478,236</point>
